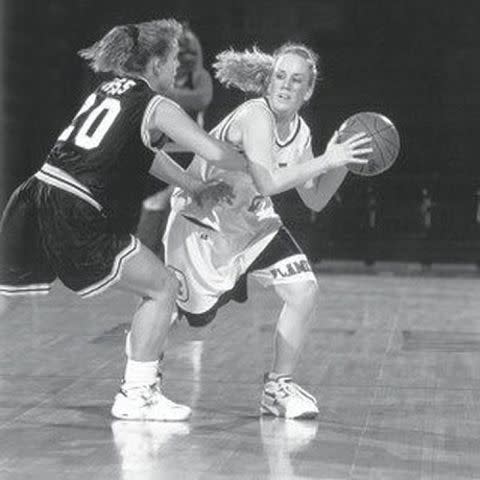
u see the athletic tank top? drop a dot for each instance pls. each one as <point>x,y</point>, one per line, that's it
<point>251,216</point>
<point>107,147</point>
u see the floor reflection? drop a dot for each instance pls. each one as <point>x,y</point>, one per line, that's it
<point>143,447</point>
<point>282,440</point>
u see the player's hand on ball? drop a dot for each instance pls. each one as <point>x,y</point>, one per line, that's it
<point>385,141</point>
<point>212,193</point>
<point>349,151</point>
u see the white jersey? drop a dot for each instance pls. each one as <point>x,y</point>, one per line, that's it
<point>251,218</point>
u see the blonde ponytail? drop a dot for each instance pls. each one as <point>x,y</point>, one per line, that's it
<point>126,49</point>
<point>111,52</point>
<point>251,70</point>
<point>248,71</point>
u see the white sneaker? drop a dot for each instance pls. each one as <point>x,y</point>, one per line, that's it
<point>283,398</point>
<point>148,403</point>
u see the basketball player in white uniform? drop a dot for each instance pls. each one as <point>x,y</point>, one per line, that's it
<point>212,250</point>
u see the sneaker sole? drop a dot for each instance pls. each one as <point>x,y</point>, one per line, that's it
<point>272,411</point>
<point>125,416</point>
<point>146,419</point>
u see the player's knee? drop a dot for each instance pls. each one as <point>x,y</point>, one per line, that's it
<point>303,294</point>
<point>309,292</point>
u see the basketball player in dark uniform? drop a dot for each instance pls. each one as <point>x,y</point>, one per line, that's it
<point>193,91</point>
<point>73,218</point>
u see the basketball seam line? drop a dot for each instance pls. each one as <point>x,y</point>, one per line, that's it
<point>376,143</point>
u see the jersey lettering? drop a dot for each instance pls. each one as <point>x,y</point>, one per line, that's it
<point>290,269</point>
<point>109,109</point>
<point>88,137</point>
<point>118,86</point>
<point>87,105</point>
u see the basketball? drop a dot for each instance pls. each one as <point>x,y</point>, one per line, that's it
<point>385,141</point>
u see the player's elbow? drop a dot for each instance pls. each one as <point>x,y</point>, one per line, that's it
<point>265,191</point>
<point>268,190</point>
<point>266,186</point>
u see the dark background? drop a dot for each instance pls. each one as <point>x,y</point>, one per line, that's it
<point>416,61</point>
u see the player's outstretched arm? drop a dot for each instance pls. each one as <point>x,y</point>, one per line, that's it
<point>257,127</point>
<point>166,169</point>
<point>170,119</point>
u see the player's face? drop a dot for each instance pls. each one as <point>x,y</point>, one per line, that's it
<point>166,73</point>
<point>188,54</point>
<point>290,85</point>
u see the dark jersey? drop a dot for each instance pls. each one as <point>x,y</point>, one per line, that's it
<point>107,147</point>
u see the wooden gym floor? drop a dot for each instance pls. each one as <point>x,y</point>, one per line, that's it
<point>393,360</point>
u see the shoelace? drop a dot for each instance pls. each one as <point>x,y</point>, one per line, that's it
<point>146,392</point>
<point>288,387</point>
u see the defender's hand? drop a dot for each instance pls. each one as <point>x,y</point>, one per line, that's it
<point>212,193</point>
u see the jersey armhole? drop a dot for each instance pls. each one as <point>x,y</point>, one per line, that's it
<point>147,115</point>
<point>308,135</point>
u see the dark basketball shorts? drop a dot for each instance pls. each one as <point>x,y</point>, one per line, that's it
<point>281,261</point>
<point>47,232</point>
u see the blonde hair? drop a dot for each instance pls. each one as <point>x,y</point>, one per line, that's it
<point>251,70</point>
<point>127,48</point>
<point>306,53</point>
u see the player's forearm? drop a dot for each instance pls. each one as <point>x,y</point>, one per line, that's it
<point>172,120</point>
<point>222,155</point>
<point>317,192</point>
<point>167,170</point>
<point>283,179</point>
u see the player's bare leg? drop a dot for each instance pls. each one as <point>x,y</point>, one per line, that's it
<point>293,324</point>
<point>281,396</point>
<point>140,397</point>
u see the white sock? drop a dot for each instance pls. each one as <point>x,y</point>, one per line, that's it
<point>275,376</point>
<point>140,373</point>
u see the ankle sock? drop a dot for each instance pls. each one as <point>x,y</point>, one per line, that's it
<point>140,373</point>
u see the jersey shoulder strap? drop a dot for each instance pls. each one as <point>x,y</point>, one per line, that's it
<point>221,130</point>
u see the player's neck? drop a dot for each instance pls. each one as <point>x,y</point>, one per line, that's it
<point>146,80</point>
<point>284,124</point>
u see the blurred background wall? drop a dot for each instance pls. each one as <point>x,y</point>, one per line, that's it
<point>416,61</point>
